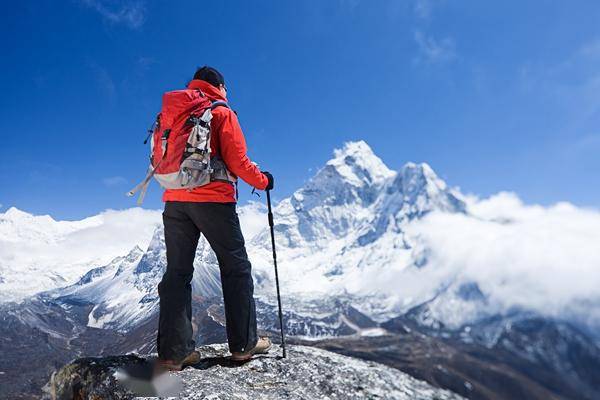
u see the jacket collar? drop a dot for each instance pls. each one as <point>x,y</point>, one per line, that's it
<point>212,92</point>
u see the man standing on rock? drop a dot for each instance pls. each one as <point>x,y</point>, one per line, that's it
<point>210,210</point>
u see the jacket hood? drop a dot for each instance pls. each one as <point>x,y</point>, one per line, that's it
<point>212,92</point>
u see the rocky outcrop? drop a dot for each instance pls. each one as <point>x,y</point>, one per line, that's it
<point>307,373</point>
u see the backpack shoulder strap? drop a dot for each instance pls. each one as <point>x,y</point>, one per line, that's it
<point>218,103</point>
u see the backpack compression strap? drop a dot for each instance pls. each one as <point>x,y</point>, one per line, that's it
<point>142,187</point>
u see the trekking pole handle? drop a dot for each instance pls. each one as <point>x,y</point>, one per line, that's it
<point>270,214</point>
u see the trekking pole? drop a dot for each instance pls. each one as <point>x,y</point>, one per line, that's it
<point>276,275</point>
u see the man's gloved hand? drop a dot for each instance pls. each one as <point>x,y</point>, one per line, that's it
<point>271,180</point>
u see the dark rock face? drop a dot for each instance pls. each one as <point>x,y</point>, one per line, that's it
<point>37,337</point>
<point>307,373</point>
<point>529,358</point>
<point>91,378</point>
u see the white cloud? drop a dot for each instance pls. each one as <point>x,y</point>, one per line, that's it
<point>545,259</point>
<point>39,253</point>
<point>130,13</point>
<point>540,258</point>
<point>253,218</point>
<point>434,51</point>
<point>114,181</point>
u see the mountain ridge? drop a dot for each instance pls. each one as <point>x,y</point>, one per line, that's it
<point>351,233</point>
<point>365,254</point>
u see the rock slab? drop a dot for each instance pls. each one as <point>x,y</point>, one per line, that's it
<point>307,373</point>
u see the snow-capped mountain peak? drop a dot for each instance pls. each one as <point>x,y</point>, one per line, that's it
<point>358,165</point>
<point>17,226</point>
<point>13,213</point>
<point>335,200</point>
<point>353,176</point>
<point>413,175</point>
<point>417,190</point>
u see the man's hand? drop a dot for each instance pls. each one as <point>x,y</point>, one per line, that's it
<point>270,179</point>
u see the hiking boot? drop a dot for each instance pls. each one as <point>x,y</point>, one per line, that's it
<point>170,365</point>
<point>262,346</point>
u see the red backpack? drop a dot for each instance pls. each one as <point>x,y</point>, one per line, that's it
<point>180,153</point>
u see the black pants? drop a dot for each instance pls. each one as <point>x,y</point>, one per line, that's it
<point>219,223</point>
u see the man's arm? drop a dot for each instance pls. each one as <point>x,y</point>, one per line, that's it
<point>233,151</point>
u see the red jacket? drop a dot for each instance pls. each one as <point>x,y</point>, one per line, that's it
<point>228,141</point>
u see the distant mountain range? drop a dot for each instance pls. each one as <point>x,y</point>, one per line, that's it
<point>393,266</point>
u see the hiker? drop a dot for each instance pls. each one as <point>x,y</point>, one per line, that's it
<point>210,210</point>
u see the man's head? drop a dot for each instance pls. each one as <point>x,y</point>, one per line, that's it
<point>212,76</point>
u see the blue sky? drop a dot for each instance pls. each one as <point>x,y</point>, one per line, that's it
<point>502,96</point>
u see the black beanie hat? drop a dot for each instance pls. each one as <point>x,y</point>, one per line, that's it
<point>210,75</point>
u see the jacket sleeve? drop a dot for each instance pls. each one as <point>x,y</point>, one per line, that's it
<point>233,151</point>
